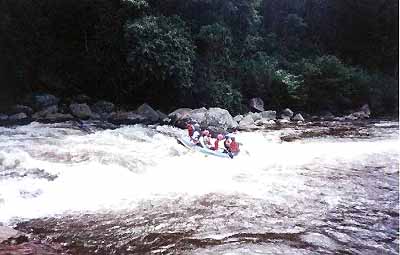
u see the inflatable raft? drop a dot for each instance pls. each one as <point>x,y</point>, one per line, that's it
<point>185,141</point>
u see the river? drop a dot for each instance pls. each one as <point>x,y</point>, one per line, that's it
<point>135,190</point>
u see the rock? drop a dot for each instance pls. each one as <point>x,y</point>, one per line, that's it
<point>298,117</point>
<point>220,118</point>
<point>327,116</point>
<point>126,118</point>
<point>270,115</point>
<point>42,114</point>
<point>21,109</point>
<point>148,112</point>
<point>3,117</point>
<point>265,122</point>
<point>57,117</point>
<point>255,115</point>
<point>256,104</point>
<point>8,233</point>
<point>81,111</point>
<point>199,116</point>
<point>366,110</point>
<point>283,121</point>
<point>40,101</point>
<point>247,123</point>
<point>238,118</point>
<point>162,116</point>
<point>180,116</point>
<point>103,107</point>
<point>82,99</point>
<point>287,114</point>
<point>339,119</point>
<point>319,240</point>
<point>18,116</point>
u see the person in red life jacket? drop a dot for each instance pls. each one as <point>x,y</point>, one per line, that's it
<point>234,146</point>
<point>190,129</point>
<point>217,141</point>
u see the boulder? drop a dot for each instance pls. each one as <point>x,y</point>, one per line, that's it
<point>81,111</point>
<point>255,115</point>
<point>40,101</point>
<point>270,115</point>
<point>3,117</point>
<point>180,116</point>
<point>18,116</point>
<point>287,114</point>
<point>21,109</point>
<point>162,116</point>
<point>247,123</point>
<point>42,114</point>
<point>148,112</point>
<point>199,116</point>
<point>220,118</point>
<point>56,117</point>
<point>238,118</point>
<point>7,233</point>
<point>103,107</point>
<point>256,104</point>
<point>126,118</point>
<point>298,117</point>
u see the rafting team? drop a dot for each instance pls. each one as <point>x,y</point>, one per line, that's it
<point>203,138</point>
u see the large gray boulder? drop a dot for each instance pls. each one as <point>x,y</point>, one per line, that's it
<point>363,113</point>
<point>269,115</point>
<point>287,114</point>
<point>81,111</point>
<point>102,107</point>
<point>199,116</point>
<point>126,118</point>
<point>180,117</point>
<point>148,112</point>
<point>220,118</point>
<point>256,104</point>
<point>41,101</point>
<point>162,116</point>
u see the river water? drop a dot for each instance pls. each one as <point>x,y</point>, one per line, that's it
<point>135,190</point>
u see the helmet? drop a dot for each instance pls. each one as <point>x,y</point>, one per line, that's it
<point>220,137</point>
<point>206,132</point>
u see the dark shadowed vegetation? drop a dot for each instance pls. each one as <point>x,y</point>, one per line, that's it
<point>311,55</point>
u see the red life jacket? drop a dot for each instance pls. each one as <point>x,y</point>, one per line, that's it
<point>190,130</point>
<point>216,145</point>
<point>234,146</point>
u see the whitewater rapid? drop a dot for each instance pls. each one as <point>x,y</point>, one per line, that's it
<point>65,170</point>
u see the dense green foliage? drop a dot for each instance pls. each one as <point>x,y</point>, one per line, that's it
<point>310,55</point>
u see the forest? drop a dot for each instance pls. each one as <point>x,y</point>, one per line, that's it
<point>310,55</point>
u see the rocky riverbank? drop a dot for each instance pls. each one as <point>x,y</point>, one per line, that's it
<point>47,108</point>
